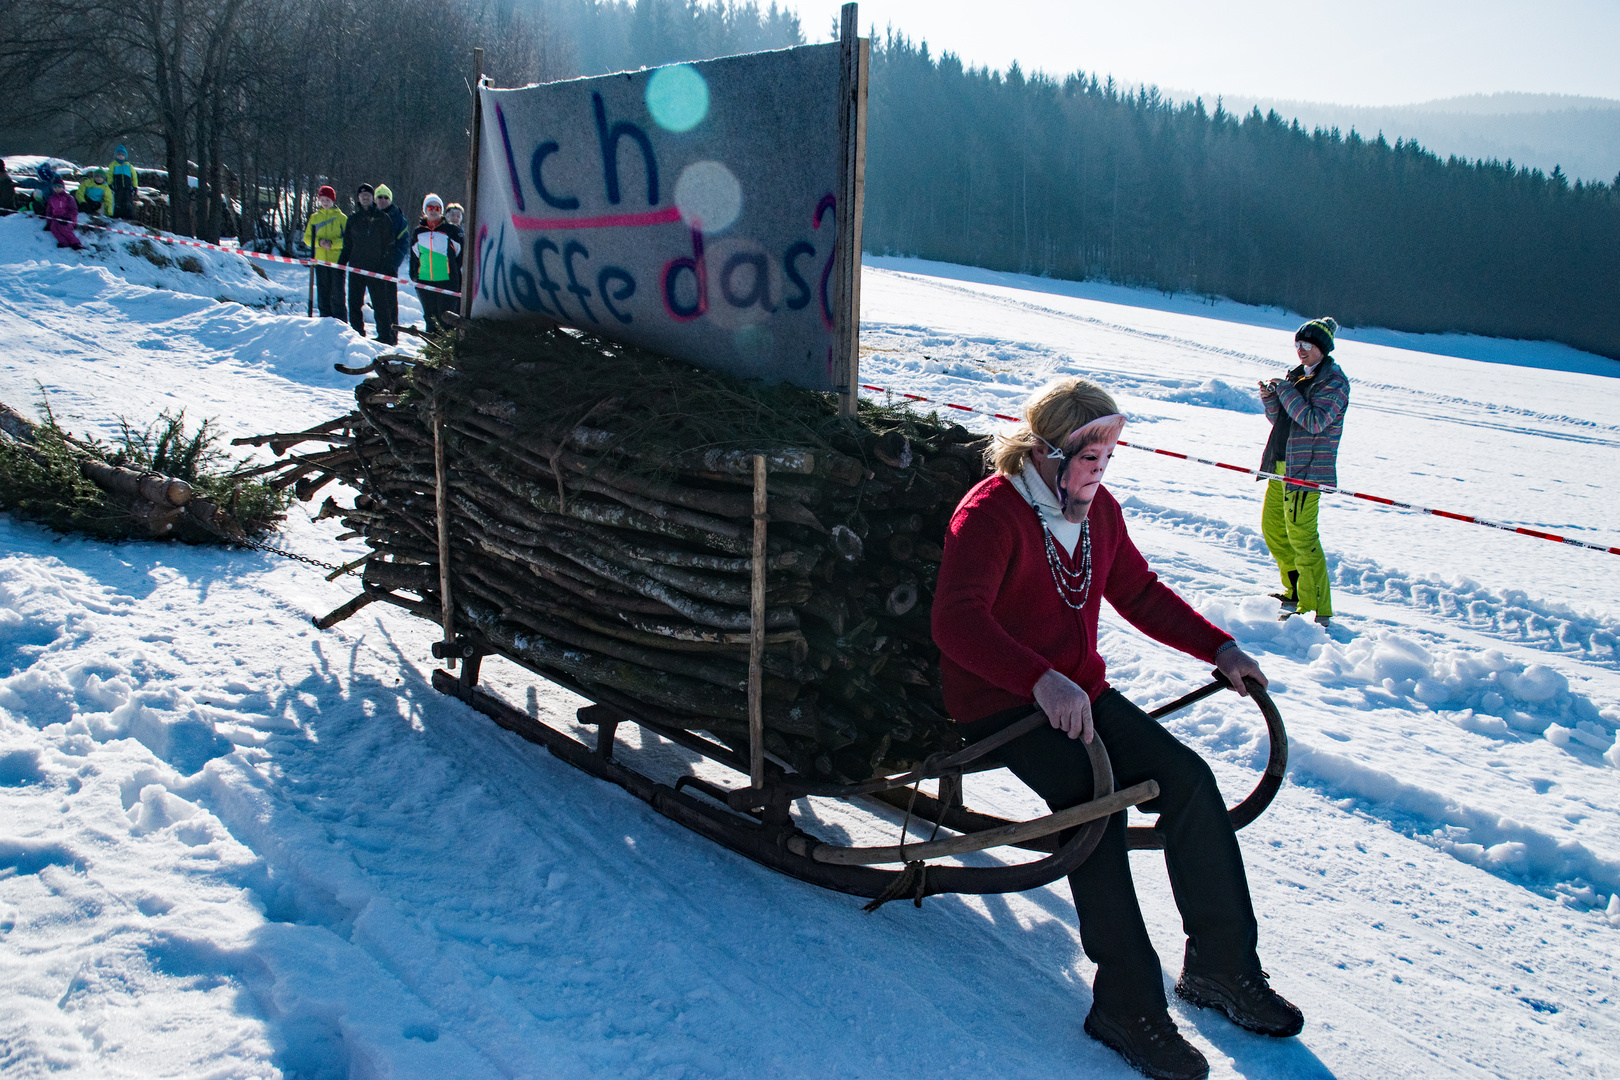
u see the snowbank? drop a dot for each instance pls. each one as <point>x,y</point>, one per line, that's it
<point>144,260</point>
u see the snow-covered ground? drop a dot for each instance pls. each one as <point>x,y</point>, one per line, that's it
<point>233,846</point>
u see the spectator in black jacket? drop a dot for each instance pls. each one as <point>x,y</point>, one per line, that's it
<point>402,228</point>
<point>370,242</point>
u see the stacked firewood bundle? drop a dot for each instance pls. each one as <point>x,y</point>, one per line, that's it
<point>600,518</point>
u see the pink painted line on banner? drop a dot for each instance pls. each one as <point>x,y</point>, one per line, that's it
<point>247,254</point>
<point>1326,488</point>
<point>607,221</point>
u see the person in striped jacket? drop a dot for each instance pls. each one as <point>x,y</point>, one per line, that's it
<point>435,261</point>
<point>1306,409</point>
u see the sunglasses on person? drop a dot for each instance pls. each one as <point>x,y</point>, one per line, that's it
<point>1302,345</point>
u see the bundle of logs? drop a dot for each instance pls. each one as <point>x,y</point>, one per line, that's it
<point>624,567</point>
<point>151,504</point>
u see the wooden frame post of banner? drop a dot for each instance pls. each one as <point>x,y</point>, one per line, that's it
<point>441,501</point>
<point>851,204</point>
<point>756,634</point>
<point>469,235</point>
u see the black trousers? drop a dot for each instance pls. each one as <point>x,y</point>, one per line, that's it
<point>1201,851</point>
<point>329,292</point>
<point>435,304</point>
<point>384,306</point>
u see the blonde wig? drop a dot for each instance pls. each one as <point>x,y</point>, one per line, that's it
<point>1054,411</point>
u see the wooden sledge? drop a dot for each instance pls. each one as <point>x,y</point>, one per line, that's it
<point>755,820</point>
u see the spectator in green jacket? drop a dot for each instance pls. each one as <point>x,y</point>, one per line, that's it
<point>435,248</point>
<point>125,179</point>
<point>95,194</point>
<point>323,235</point>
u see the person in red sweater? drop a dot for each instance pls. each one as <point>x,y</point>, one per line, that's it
<point>1029,556</point>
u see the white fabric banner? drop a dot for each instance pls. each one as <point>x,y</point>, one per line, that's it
<point>690,209</point>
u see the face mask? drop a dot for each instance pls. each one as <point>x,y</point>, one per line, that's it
<point>1082,460</point>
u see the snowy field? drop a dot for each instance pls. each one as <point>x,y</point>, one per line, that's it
<point>234,846</point>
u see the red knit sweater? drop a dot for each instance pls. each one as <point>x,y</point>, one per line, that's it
<point>1000,624</point>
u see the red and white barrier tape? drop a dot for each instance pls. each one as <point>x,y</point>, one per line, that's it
<point>1326,488</point>
<point>248,254</point>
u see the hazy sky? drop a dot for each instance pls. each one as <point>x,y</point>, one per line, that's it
<point>1372,52</point>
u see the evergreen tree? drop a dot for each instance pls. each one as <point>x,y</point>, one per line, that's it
<point>1082,179</point>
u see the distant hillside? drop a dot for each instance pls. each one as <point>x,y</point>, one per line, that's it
<point>1077,180</point>
<point>1582,134</point>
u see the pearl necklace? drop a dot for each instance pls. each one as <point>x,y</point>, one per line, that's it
<point>1062,577</point>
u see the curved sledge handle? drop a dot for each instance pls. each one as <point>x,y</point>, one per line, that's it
<point>1276,762</point>
<point>1142,837</point>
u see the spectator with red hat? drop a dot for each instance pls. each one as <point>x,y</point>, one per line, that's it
<point>323,235</point>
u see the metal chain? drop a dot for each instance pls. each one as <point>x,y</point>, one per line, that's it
<point>339,570</point>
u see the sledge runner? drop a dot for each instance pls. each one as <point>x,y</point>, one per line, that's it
<point>435,251</point>
<point>1029,556</point>
<point>1306,409</point>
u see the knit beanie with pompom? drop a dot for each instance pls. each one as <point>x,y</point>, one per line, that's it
<point>1319,332</point>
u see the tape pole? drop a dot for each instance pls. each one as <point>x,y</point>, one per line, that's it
<point>1327,489</point>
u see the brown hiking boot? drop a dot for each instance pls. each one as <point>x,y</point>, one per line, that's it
<point>1247,1000</point>
<point>1151,1044</point>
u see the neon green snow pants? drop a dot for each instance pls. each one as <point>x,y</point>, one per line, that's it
<point>1288,523</point>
